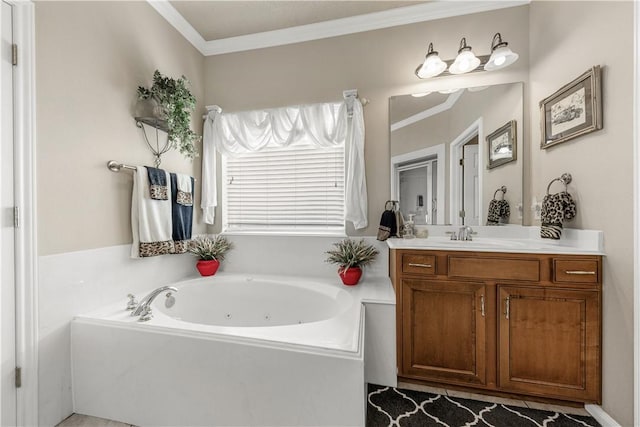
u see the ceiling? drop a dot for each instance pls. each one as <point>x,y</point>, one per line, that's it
<point>223,19</point>
<point>216,27</point>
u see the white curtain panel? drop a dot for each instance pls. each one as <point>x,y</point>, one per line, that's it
<point>251,131</point>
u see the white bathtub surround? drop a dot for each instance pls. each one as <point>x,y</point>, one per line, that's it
<point>295,256</point>
<point>77,282</point>
<point>215,372</point>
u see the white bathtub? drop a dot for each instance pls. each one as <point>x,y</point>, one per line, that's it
<point>232,350</point>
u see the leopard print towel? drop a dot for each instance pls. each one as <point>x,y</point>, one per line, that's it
<point>498,211</point>
<point>556,208</point>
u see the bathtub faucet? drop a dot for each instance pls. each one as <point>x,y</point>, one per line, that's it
<point>144,307</point>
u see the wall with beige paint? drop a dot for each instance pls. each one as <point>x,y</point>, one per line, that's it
<point>379,64</point>
<point>569,39</point>
<point>90,59</point>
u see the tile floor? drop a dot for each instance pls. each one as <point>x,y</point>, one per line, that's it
<point>77,420</point>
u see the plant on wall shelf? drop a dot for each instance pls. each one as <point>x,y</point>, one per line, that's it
<point>176,104</point>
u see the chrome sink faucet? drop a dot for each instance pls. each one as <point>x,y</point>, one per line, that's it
<point>144,307</point>
<point>465,233</point>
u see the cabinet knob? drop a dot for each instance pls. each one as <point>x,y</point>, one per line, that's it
<point>413,264</point>
<point>580,272</point>
<point>506,308</point>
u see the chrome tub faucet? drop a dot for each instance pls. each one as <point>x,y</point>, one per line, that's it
<point>143,309</point>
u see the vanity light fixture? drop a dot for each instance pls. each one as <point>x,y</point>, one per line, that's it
<point>432,65</point>
<point>466,61</point>
<point>420,94</point>
<point>501,55</point>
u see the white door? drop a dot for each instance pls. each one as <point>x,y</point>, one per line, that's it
<point>470,187</point>
<point>7,232</point>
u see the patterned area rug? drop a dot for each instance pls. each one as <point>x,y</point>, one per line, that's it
<point>388,406</point>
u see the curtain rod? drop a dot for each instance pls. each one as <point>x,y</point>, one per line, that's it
<point>345,94</point>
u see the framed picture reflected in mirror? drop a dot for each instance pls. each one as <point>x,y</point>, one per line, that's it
<point>501,144</point>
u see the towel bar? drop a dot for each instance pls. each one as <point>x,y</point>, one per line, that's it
<point>117,167</point>
<point>114,166</point>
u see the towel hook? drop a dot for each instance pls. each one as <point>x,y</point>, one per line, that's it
<point>503,189</point>
<point>565,178</point>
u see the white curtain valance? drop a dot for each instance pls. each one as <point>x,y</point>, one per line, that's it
<point>324,124</point>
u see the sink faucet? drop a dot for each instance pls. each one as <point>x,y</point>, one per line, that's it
<point>144,307</point>
<point>465,233</point>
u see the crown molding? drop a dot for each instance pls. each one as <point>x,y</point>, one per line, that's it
<point>446,105</point>
<point>337,27</point>
<point>168,12</point>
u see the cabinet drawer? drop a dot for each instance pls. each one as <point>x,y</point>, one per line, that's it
<point>494,268</point>
<point>575,271</point>
<point>418,264</point>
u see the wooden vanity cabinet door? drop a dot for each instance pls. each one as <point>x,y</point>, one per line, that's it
<point>549,342</point>
<point>444,331</point>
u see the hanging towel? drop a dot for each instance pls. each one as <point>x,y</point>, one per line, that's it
<point>399,223</point>
<point>555,209</point>
<point>388,225</point>
<point>184,189</point>
<point>150,219</point>
<point>499,211</point>
<point>181,214</point>
<point>157,183</point>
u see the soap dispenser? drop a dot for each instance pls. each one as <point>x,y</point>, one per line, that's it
<point>409,230</point>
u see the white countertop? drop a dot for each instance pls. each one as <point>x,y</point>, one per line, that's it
<point>514,239</point>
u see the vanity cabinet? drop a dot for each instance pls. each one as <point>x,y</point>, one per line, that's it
<point>526,324</point>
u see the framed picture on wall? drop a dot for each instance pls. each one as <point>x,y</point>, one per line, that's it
<point>502,145</point>
<point>574,110</point>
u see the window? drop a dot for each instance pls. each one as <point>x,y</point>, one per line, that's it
<point>296,189</point>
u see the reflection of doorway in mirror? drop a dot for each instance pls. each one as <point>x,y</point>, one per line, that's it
<point>417,182</point>
<point>470,187</point>
<point>427,200</point>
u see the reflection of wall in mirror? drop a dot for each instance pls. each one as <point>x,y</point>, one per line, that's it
<point>498,105</point>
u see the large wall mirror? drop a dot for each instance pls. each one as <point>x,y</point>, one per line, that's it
<point>456,157</point>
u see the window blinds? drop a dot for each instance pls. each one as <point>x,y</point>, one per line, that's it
<point>299,188</point>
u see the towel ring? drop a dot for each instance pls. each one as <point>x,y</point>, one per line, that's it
<point>565,178</point>
<point>393,204</point>
<point>503,189</point>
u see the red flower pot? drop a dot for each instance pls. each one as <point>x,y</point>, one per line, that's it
<point>350,276</point>
<point>208,267</point>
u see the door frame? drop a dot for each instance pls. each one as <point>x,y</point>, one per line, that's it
<point>26,268</point>
<point>636,212</point>
<point>455,171</point>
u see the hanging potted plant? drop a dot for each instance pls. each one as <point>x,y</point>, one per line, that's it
<point>171,102</point>
<point>210,251</point>
<point>351,256</point>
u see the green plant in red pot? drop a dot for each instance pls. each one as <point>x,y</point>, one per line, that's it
<point>351,256</point>
<point>210,250</point>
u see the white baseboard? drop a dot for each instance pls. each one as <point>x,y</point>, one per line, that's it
<point>601,416</point>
